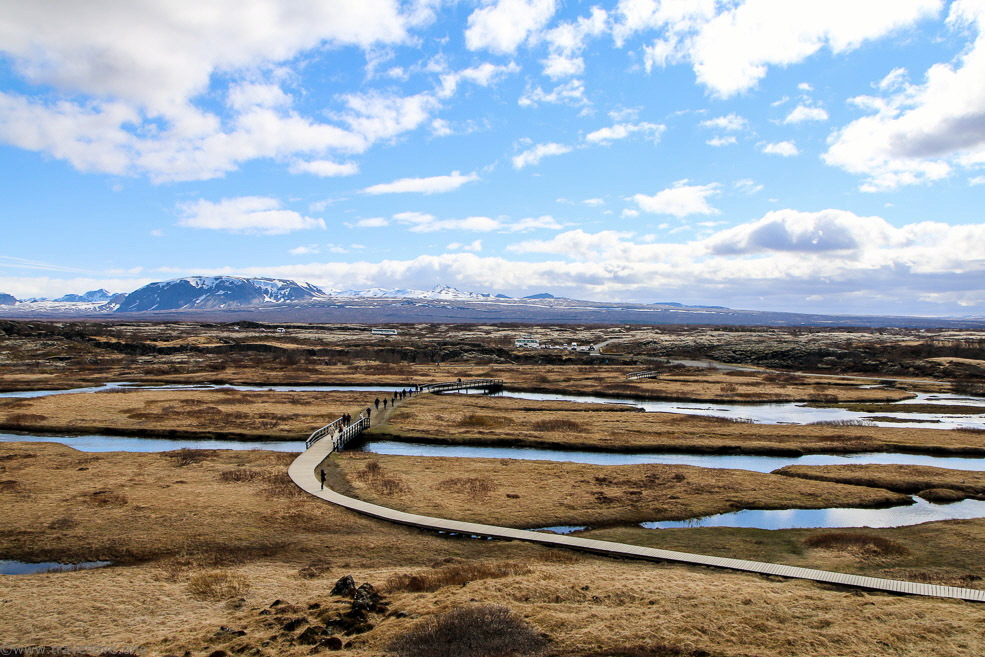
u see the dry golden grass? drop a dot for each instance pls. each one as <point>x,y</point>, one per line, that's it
<point>618,427</point>
<point>175,532</point>
<point>518,493</point>
<point>910,479</point>
<point>223,412</point>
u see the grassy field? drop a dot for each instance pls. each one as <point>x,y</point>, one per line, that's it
<point>504,421</point>
<point>531,494</point>
<point>224,413</point>
<point>936,484</point>
<point>204,549</point>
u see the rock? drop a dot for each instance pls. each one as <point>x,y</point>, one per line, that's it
<point>311,635</point>
<point>294,624</point>
<point>366,598</point>
<point>228,631</point>
<point>276,603</point>
<point>314,605</point>
<point>264,612</point>
<point>345,587</point>
<point>332,643</point>
<point>218,653</point>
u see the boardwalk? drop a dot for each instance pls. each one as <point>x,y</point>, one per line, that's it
<point>485,385</point>
<point>303,471</point>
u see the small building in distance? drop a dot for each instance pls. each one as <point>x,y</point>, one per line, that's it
<point>527,342</point>
<point>384,331</point>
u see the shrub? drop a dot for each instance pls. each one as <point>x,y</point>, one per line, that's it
<point>858,542</point>
<point>728,388</point>
<point>557,424</point>
<point>240,475</point>
<point>455,574</point>
<point>218,585</point>
<point>187,456</point>
<point>475,631</point>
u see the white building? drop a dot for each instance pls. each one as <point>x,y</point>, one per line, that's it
<point>527,342</point>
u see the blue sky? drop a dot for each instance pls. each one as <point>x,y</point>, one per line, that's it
<point>821,156</point>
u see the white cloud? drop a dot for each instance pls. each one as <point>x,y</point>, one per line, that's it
<point>483,75</point>
<point>629,213</point>
<point>570,93</point>
<point>731,46</point>
<point>803,113</point>
<point>747,186</point>
<point>432,185</point>
<point>728,140</point>
<point>594,202</point>
<point>731,122</point>
<point>503,25</point>
<point>325,168</point>
<point>371,222</point>
<point>246,214</point>
<point>534,155</point>
<point>421,222</point>
<point>568,40</point>
<point>784,148</point>
<point>977,180</point>
<point>805,86</point>
<point>624,130</point>
<point>306,249</point>
<point>475,246</point>
<point>921,133</point>
<point>680,200</point>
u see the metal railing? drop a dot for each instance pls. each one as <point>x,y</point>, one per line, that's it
<point>341,433</point>
<point>643,375</point>
<point>470,384</point>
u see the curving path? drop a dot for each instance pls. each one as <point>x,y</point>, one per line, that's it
<point>303,472</point>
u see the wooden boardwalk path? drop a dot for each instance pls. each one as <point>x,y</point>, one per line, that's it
<point>303,471</point>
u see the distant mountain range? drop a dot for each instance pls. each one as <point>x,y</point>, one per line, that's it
<point>233,298</point>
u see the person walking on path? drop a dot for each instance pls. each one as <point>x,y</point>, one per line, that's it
<point>384,403</point>
<point>377,403</point>
<point>323,479</point>
<point>369,414</point>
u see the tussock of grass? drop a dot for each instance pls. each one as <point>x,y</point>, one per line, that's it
<point>106,498</point>
<point>186,456</point>
<point>240,475</point>
<point>25,419</point>
<point>858,543</point>
<point>456,573</point>
<point>218,585</point>
<point>558,424</point>
<point>478,421</point>
<point>474,631</point>
<point>467,485</point>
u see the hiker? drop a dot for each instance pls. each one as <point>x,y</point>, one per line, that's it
<point>369,413</point>
<point>384,403</point>
<point>323,479</point>
<point>377,403</point>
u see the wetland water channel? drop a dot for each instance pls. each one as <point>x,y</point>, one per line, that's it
<point>789,413</point>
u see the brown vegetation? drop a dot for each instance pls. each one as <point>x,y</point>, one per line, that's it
<point>908,479</point>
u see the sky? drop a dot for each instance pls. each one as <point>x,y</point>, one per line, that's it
<point>797,155</point>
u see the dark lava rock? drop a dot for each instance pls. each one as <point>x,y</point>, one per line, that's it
<point>276,603</point>
<point>366,598</point>
<point>332,643</point>
<point>229,632</point>
<point>345,587</point>
<point>294,624</point>
<point>311,635</point>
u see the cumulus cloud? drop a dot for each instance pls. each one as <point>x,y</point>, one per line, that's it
<point>129,81</point>
<point>570,93</point>
<point>783,148</point>
<point>680,200</point>
<point>475,246</point>
<point>421,222</point>
<point>325,168</point>
<point>370,222</point>
<point>731,122</point>
<point>483,75</point>
<point>717,142</point>
<point>535,154</point>
<point>432,185</point>
<point>921,133</point>
<point>245,214</point>
<point>503,25</point>
<point>732,46</point>
<point>567,41</point>
<point>624,130</point>
<point>803,113</point>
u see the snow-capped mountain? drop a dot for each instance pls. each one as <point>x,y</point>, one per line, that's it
<point>438,292</point>
<point>213,292</point>
<point>7,300</point>
<point>92,296</point>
